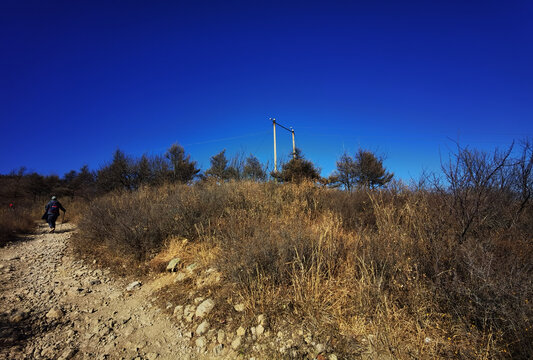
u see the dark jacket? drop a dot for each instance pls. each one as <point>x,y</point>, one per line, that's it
<point>53,207</point>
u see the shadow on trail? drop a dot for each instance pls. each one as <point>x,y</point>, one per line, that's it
<point>16,238</point>
<point>15,331</point>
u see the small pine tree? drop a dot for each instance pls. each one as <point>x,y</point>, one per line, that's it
<point>219,167</point>
<point>119,174</point>
<point>297,170</point>
<point>370,172</point>
<point>364,169</point>
<point>183,169</point>
<point>253,169</point>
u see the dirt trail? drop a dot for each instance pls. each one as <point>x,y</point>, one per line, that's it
<point>53,306</point>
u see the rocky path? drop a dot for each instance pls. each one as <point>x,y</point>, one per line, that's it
<point>53,306</point>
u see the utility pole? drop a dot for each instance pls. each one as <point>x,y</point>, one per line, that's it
<point>275,156</point>
<point>293,144</point>
<point>291,130</point>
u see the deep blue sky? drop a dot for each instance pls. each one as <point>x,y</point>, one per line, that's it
<point>79,79</point>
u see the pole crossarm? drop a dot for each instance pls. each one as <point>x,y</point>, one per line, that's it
<point>286,128</point>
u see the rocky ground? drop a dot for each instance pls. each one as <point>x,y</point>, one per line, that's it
<point>53,306</point>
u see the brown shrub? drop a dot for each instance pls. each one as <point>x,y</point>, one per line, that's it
<point>385,267</point>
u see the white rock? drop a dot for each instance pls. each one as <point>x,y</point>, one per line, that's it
<point>134,285</point>
<point>191,267</point>
<point>221,336</point>
<point>241,331</point>
<point>239,307</point>
<point>201,342</point>
<point>54,314</point>
<point>205,308</point>
<point>332,357</point>
<point>202,328</point>
<point>236,343</point>
<point>173,264</point>
<point>259,330</point>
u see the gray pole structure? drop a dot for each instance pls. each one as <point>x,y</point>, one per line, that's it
<point>275,155</point>
<point>293,145</point>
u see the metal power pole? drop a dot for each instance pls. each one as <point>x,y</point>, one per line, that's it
<point>293,144</point>
<point>275,155</point>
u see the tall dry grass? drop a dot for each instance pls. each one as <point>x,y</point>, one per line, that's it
<point>15,222</point>
<point>386,273</point>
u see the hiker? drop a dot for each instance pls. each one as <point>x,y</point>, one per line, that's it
<point>52,212</point>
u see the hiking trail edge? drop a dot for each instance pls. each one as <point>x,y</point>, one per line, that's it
<point>53,306</point>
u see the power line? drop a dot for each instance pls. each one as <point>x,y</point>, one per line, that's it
<point>228,138</point>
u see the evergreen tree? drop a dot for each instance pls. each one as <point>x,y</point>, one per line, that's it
<point>144,173</point>
<point>219,166</point>
<point>364,169</point>
<point>85,182</point>
<point>297,170</point>
<point>370,171</point>
<point>119,174</point>
<point>253,169</point>
<point>183,170</point>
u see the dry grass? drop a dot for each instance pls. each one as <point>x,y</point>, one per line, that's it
<point>382,273</point>
<point>15,222</point>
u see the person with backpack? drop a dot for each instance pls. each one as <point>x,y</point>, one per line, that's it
<point>52,212</point>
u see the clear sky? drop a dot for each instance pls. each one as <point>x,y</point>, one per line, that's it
<point>79,79</point>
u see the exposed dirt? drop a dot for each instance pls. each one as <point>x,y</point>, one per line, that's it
<point>53,306</point>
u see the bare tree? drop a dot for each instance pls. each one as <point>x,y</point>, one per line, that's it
<point>346,173</point>
<point>473,177</point>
